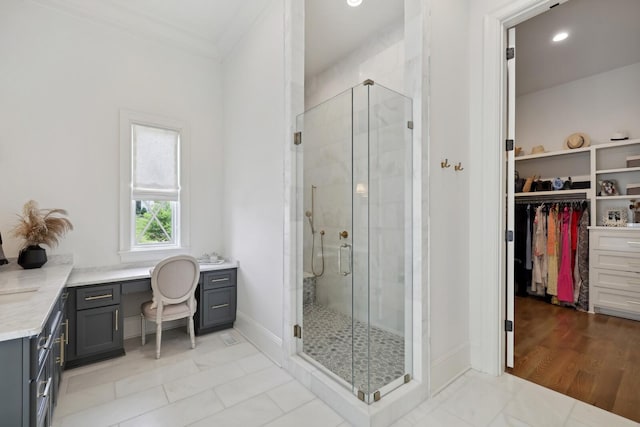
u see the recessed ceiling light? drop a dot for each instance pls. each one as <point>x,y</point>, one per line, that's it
<point>354,3</point>
<point>560,36</point>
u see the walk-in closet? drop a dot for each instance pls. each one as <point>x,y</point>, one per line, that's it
<point>575,203</point>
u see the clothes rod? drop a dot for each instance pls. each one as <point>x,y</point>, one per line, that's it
<point>551,198</point>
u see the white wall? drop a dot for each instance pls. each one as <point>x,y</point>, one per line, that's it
<point>449,209</point>
<point>598,105</point>
<point>381,59</point>
<point>63,80</point>
<point>253,82</point>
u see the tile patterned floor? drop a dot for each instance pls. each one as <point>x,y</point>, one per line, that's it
<point>327,338</point>
<point>236,385</point>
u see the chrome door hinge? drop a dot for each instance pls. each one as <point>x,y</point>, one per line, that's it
<point>297,331</point>
<point>297,138</point>
<point>511,53</point>
<point>509,144</point>
<point>509,236</point>
<point>410,124</point>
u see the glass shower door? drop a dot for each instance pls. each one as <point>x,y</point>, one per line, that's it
<point>325,180</point>
<point>354,174</point>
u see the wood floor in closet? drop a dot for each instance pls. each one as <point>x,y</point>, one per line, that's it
<point>591,357</point>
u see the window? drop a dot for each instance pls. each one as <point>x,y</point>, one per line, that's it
<point>153,190</point>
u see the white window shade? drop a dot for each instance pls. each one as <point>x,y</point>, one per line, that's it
<point>155,160</point>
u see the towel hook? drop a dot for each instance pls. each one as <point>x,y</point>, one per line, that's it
<point>458,167</point>
<point>445,164</point>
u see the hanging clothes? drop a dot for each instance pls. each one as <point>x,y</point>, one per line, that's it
<point>552,252</point>
<point>583,261</point>
<point>539,274</point>
<point>528,264</point>
<point>565,279</point>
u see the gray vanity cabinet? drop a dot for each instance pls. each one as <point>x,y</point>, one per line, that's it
<point>95,324</point>
<point>216,297</point>
<point>28,370</point>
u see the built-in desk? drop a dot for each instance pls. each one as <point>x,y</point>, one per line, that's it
<point>96,309</point>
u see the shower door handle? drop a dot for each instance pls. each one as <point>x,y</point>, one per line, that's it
<point>340,270</point>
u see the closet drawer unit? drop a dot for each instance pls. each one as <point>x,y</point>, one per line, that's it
<point>218,279</point>
<point>613,279</point>
<point>614,299</point>
<point>622,261</point>
<point>625,241</point>
<point>97,296</point>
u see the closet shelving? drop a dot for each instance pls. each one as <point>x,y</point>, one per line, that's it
<point>594,164</point>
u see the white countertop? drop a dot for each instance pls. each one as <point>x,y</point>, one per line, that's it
<point>92,276</point>
<point>27,296</point>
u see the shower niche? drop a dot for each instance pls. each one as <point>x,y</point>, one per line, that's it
<point>354,174</point>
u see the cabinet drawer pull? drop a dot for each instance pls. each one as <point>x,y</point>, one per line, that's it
<point>65,296</point>
<point>633,243</point>
<point>215,307</point>
<point>226,279</point>
<point>47,386</point>
<point>60,359</point>
<point>94,297</point>
<point>116,319</point>
<point>46,344</point>
<point>66,331</point>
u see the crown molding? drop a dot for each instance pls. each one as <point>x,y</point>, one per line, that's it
<point>135,23</point>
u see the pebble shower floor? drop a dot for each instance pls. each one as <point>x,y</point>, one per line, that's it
<point>327,339</point>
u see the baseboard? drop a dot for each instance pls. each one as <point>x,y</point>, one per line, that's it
<point>132,326</point>
<point>266,341</point>
<point>447,368</point>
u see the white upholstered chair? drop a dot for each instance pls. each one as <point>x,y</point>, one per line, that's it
<point>173,282</point>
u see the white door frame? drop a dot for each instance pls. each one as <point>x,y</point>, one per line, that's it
<point>488,241</point>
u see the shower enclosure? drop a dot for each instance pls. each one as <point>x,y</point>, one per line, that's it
<point>354,174</point>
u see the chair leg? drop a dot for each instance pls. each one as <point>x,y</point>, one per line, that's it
<point>191,333</point>
<point>143,328</point>
<point>158,339</point>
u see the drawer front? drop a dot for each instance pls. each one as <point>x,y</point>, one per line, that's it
<point>623,261</point>
<point>218,279</point>
<point>97,296</point>
<point>627,241</point>
<point>611,279</point>
<point>135,286</point>
<point>219,306</point>
<point>617,300</point>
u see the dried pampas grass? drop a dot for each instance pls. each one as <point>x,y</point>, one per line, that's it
<point>41,226</point>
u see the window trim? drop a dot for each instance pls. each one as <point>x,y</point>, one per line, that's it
<point>127,251</point>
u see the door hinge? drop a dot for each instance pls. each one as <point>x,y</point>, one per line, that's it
<point>508,326</point>
<point>410,124</point>
<point>361,395</point>
<point>509,236</point>
<point>297,331</point>
<point>509,145</point>
<point>297,138</point>
<point>376,396</point>
<point>511,53</point>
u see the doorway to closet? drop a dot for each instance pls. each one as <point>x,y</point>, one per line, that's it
<point>573,273</point>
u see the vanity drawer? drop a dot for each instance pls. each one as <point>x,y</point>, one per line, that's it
<point>218,279</point>
<point>219,306</point>
<point>617,300</point>
<point>623,261</point>
<point>97,296</point>
<point>627,241</point>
